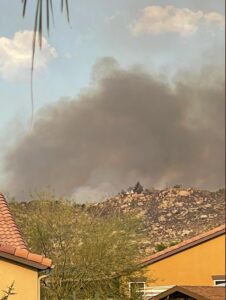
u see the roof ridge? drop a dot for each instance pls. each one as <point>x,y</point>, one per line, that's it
<point>9,232</point>
<point>184,244</point>
<point>194,291</point>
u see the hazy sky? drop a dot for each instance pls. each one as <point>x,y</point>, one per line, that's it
<point>180,43</point>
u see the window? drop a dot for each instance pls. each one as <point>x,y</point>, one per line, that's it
<point>136,289</point>
<point>219,280</point>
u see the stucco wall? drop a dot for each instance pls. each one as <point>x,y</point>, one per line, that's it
<point>194,266</point>
<point>26,280</point>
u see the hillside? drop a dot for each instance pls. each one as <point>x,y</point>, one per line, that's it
<point>170,215</point>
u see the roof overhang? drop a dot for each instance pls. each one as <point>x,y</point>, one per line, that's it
<point>179,248</point>
<point>23,261</point>
<point>177,289</point>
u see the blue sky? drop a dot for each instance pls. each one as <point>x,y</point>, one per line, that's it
<point>163,37</point>
<point>98,28</point>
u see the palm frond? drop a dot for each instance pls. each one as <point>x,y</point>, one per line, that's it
<point>64,3</point>
<point>51,10</point>
<point>38,28</point>
<point>67,10</point>
<point>47,16</point>
<point>40,24</point>
<point>24,6</point>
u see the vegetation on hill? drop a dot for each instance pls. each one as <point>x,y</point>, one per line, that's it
<point>90,252</point>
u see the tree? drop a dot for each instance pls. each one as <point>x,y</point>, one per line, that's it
<point>91,252</point>
<point>8,292</point>
<point>38,23</point>
<point>38,28</point>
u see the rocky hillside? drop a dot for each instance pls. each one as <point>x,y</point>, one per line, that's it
<point>167,216</point>
<point>170,215</point>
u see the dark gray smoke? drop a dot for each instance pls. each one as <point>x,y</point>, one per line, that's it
<point>128,126</point>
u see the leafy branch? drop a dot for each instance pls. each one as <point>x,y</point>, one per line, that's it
<point>8,292</point>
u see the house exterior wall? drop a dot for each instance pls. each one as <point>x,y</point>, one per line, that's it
<point>194,266</point>
<point>25,280</point>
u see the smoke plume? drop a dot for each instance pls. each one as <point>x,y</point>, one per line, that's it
<point>127,126</point>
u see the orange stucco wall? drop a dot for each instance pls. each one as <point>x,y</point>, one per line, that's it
<point>25,280</point>
<point>193,266</point>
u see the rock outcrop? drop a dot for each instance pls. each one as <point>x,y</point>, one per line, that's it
<point>169,215</point>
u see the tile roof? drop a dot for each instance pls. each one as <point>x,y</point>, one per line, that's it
<point>26,257</point>
<point>9,232</point>
<point>185,245</point>
<point>208,292</point>
<point>197,292</point>
<point>12,245</point>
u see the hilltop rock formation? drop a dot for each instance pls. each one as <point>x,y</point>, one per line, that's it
<point>169,215</point>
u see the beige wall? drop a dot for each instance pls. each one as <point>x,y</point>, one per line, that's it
<point>26,280</point>
<point>194,266</point>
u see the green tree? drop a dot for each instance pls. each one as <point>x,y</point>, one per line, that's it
<point>91,252</point>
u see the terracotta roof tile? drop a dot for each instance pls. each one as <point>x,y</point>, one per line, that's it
<point>7,249</point>
<point>185,244</point>
<point>47,262</point>
<point>9,232</point>
<point>26,255</point>
<point>35,257</point>
<point>12,243</point>
<point>21,253</point>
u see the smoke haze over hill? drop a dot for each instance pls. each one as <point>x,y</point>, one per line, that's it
<point>127,126</point>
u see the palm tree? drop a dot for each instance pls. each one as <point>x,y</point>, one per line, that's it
<point>38,26</point>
